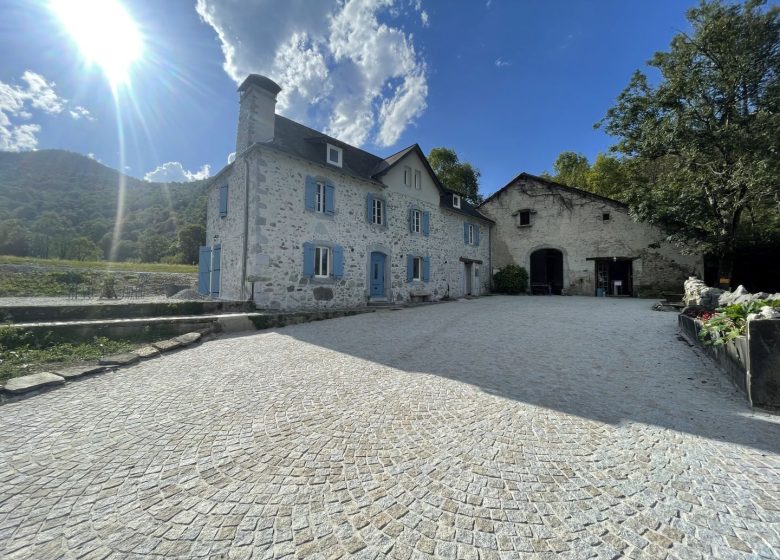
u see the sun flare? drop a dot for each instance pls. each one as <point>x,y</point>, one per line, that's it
<point>105,34</point>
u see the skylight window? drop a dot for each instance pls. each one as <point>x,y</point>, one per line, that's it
<point>335,155</point>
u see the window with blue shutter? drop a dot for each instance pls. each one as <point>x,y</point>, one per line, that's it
<point>308,260</point>
<point>426,271</point>
<point>338,261</point>
<point>330,199</point>
<point>411,220</point>
<point>466,234</point>
<point>369,207</point>
<point>311,194</point>
<point>476,235</point>
<point>426,223</point>
<point>223,200</point>
<point>409,268</point>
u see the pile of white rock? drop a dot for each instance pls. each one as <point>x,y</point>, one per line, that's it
<point>699,294</point>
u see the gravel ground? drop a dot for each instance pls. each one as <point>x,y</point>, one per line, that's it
<point>540,427</point>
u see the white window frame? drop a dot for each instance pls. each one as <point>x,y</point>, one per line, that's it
<point>455,201</point>
<point>417,179</point>
<point>417,221</point>
<point>339,153</point>
<point>417,263</point>
<point>471,234</point>
<point>407,176</point>
<point>378,211</point>
<point>321,262</point>
<point>319,198</point>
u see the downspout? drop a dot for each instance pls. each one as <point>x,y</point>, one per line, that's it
<point>246,225</point>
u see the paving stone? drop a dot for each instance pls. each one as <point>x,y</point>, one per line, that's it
<point>495,428</point>
<point>147,352</point>
<point>32,382</point>
<point>79,371</point>
<point>119,359</point>
<point>189,338</point>
<point>166,345</point>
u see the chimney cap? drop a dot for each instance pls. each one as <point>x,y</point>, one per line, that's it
<point>260,81</point>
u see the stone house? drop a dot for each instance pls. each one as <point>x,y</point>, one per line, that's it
<point>302,220</point>
<point>575,242</point>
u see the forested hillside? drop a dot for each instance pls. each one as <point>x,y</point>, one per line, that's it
<point>58,204</point>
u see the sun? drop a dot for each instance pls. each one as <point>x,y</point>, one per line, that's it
<point>105,34</point>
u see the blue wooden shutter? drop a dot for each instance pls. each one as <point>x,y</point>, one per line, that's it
<point>466,234</point>
<point>216,270</point>
<point>308,260</point>
<point>338,261</point>
<point>330,199</point>
<point>204,269</point>
<point>223,200</point>
<point>311,193</point>
<point>426,223</point>
<point>409,268</point>
<point>369,207</point>
<point>426,271</point>
<point>476,235</point>
<point>411,220</point>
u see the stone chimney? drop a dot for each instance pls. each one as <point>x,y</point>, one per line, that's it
<point>257,111</point>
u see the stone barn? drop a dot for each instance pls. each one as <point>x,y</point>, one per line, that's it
<point>575,242</point>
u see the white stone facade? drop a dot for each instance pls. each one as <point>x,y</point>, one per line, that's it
<point>586,229</point>
<point>275,221</point>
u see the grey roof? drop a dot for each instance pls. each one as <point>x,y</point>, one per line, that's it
<point>548,182</point>
<point>306,143</point>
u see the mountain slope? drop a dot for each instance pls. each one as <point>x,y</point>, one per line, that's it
<point>80,196</point>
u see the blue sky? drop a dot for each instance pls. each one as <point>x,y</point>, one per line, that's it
<point>507,84</point>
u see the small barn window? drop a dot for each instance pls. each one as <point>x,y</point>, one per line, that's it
<point>605,216</point>
<point>524,218</point>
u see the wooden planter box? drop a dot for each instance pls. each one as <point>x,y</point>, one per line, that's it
<point>752,362</point>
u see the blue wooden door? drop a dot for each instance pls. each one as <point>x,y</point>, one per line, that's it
<point>216,270</point>
<point>204,270</point>
<point>377,275</point>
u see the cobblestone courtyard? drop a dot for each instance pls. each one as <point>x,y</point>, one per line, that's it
<point>538,427</point>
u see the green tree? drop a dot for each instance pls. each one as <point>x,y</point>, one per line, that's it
<point>608,177</point>
<point>152,247</point>
<point>14,238</point>
<point>705,141</point>
<point>461,177</point>
<point>571,169</point>
<point>83,249</point>
<point>190,238</point>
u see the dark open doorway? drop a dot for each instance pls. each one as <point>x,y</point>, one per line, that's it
<point>547,271</point>
<point>614,277</point>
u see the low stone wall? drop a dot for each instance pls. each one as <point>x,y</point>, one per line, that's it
<point>752,362</point>
<point>75,312</point>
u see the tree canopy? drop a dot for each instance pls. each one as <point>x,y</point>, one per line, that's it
<point>461,177</point>
<point>607,176</point>
<point>702,140</point>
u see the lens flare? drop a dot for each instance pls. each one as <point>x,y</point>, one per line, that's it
<point>104,32</point>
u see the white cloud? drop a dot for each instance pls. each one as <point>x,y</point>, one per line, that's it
<point>17,101</point>
<point>91,155</point>
<point>501,63</point>
<point>79,112</point>
<point>344,66</point>
<point>174,172</point>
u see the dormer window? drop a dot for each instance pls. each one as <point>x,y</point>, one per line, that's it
<point>455,201</point>
<point>335,155</point>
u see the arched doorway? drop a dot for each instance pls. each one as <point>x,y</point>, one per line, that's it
<point>547,271</point>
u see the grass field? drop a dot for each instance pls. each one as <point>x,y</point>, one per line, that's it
<point>98,266</point>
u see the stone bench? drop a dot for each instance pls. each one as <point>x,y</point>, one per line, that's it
<point>418,296</point>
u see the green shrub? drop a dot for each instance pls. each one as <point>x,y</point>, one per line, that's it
<point>511,279</point>
<point>730,322</point>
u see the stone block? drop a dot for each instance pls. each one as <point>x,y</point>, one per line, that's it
<point>166,345</point>
<point>32,382</point>
<point>188,338</point>
<point>78,371</point>
<point>147,352</point>
<point>119,359</point>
